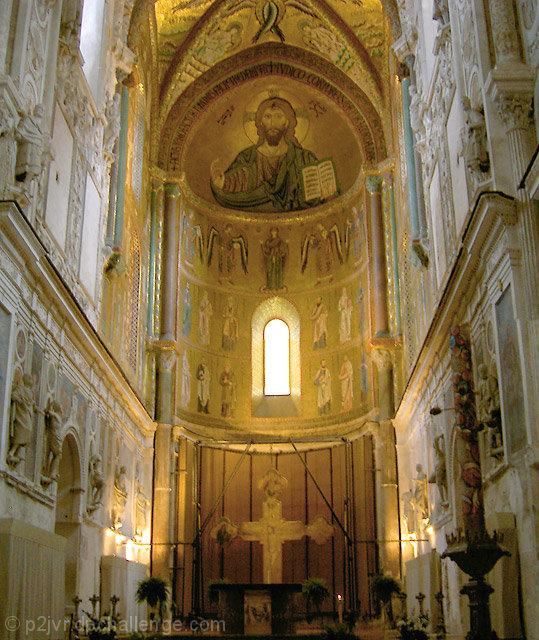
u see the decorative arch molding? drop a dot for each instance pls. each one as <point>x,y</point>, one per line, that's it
<point>271,60</point>
<point>268,310</point>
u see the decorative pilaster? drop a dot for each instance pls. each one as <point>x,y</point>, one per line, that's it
<point>379,278</point>
<point>169,283</point>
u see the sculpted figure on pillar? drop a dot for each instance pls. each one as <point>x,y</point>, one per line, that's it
<point>474,140</point>
<point>120,497</point>
<point>21,423</point>
<point>30,149</point>
<point>488,407</point>
<point>439,476</point>
<point>420,494</point>
<point>97,483</point>
<point>53,440</point>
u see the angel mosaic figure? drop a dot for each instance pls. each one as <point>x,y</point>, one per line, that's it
<point>229,246</point>
<point>325,245</point>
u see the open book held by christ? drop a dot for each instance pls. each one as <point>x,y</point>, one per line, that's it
<point>319,180</point>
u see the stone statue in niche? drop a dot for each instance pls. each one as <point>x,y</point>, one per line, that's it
<point>439,475</point>
<point>30,146</point>
<point>97,484</point>
<point>21,422</point>
<point>119,497</point>
<point>474,140</point>
<point>53,441</point>
<point>489,410</point>
<point>275,252</point>
<point>420,494</point>
<point>322,381</point>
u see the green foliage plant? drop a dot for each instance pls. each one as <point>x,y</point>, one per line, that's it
<point>315,591</point>
<point>153,591</point>
<point>383,587</point>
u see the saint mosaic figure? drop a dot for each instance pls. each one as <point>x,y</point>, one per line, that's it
<point>322,381</point>
<point>275,251</point>
<point>203,387</point>
<point>319,316</point>
<point>345,316</point>
<point>21,423</point>
<point>227,380</point>
<point>268,175</point>
<point>346,376</point>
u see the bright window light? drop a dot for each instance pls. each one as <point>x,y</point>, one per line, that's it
<point>276,358</point>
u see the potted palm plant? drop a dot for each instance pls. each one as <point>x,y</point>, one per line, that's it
<point>315,591</point>
<point>153,591</point>
<point>383,587</point>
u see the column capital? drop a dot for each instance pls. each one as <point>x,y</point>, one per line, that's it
<point>373,184</point>
<point>172,189</point>
<point>383,358</point>
<point>512,91</point>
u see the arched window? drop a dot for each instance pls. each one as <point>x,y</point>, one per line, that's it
<point>276,358</point>
<point>267,400</point>
<point>91,43</point>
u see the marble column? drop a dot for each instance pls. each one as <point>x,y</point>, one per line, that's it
<point>162,502</point>
<point>378,252</point>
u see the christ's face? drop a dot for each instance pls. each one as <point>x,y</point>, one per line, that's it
<point>274,123</point>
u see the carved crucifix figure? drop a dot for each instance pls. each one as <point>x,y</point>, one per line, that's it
<point>272,530</point>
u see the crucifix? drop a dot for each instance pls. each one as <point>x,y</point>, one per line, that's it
<point>271,530</point>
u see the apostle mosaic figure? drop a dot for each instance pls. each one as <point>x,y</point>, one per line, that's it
<point>21,425</point>
<point>322,381</point>
<point>267,176</point>
<point>227,380</point>
<point>319,316</point>
<point>346,376</point>
<point>345,316</point>
<point>205,312</point>
<point>185,382</point>
<point>187,309</point>
<point>203,387</point>
<point>230,325</point>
